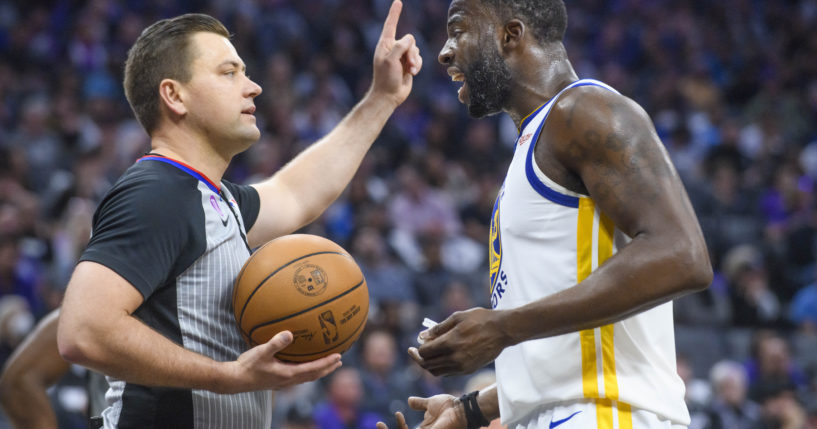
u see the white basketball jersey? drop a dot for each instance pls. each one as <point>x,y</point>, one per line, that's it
<point>544,239</point>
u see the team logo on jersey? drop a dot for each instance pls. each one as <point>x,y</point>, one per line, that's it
<point>498,277</point>
<point>311,280</point>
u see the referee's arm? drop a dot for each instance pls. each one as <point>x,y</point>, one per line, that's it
<point>304,188</point>
<point>97,329</point>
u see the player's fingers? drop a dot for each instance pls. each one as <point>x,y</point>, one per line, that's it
<point>418,403</point>
<point>444,326</point>
<point>442,366</point>
<point>279,341</point>
<point>435,346</point>
<point>446,370</point>
<point>401,421</point>
<point>390,26</point>
<point>415,355</point>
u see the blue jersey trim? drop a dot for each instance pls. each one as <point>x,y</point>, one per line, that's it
<point>530,117</point>
<point>542,189</point>
<point>184,168</point>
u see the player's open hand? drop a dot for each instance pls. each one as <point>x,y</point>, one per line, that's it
<point>396,62</point>
<point>439,412</point>
<point>463,343</point>
<point>401,422</point>
<point>259,369</point>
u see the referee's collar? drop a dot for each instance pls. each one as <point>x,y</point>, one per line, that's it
<point>184,167</point>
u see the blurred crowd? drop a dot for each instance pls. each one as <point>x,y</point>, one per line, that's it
<point>730,84</point>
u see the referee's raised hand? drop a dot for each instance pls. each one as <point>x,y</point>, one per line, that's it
<point>396,62</point>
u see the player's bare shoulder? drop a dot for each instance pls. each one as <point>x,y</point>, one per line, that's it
<point>589,122</point>
<point>593,127</point>
<point>586,126</point>
<point>608,142</point>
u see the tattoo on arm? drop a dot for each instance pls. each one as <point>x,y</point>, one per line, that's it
<point>616,156</point>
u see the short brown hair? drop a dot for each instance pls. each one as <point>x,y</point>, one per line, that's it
<point>162,51</point>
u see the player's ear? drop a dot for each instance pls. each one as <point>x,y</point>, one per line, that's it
<point>170,94</point>
<point>512,33</point>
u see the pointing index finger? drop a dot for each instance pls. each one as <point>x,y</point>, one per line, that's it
<point>390,26</point>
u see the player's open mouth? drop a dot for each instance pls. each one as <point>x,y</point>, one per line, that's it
<point>458,76</point>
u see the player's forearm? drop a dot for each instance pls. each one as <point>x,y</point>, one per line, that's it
<point>27,405</point>
<point>320,173</point>
<point>24,385</point>
<point>644,274</point>
<point>33,367</point>
<point>127,349</point>
<point>488,401</point>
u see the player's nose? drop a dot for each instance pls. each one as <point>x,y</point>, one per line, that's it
<point>446,55</point>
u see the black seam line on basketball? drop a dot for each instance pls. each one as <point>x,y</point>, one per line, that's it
<point>359,326</point>
<point>307,309</point>
<point>249,298</point>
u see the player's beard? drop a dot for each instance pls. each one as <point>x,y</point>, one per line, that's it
<point>489,83</point>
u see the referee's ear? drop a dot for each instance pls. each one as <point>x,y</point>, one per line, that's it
<point>171,96</point>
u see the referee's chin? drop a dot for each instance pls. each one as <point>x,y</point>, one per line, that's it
<point>246,142</point>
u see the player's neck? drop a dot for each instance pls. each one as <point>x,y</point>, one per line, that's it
<point>192,152</point>
<point>537,79</point>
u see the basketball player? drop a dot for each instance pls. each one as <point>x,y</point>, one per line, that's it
<point>149,304</point>
<point>35,366</point>
<point>592,236</point>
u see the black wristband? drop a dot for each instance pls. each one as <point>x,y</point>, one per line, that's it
<point>473,415</point>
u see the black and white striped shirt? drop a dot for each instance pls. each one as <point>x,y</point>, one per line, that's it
<point>180,240</point>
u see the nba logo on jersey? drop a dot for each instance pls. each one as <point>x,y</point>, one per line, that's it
<point>524,139</point>
<point>499,280</point>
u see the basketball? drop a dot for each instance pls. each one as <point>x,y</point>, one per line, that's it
<point>307,285</point>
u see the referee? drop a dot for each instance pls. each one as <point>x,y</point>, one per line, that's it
<point>149,304</point>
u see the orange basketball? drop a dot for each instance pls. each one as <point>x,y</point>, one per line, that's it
<point>307,285</point>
